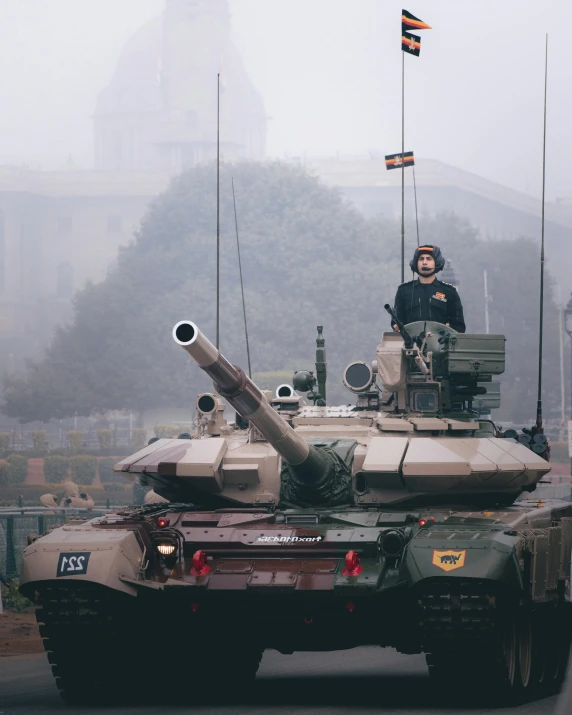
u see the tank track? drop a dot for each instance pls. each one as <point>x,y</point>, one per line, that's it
<point>470,634</point>
<point>106,647</point>
<point>93,655</point>
<point>457,613</point>
<point>462,627</point>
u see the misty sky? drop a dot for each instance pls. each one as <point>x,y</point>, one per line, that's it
<point>330,75</point>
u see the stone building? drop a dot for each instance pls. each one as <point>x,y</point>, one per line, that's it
<point>157,116</point>
<point>159,112</point>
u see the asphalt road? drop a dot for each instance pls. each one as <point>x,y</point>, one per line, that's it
<point>338,683</point>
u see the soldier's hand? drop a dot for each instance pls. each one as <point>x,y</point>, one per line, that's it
<point>396,328</point>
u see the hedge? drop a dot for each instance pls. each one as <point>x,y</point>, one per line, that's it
<point>105,437</point>
<point>75,439</point>
<point>39,440</point>
<point>170,431</point>
<point>31,493</point>
<point>138,438</point>
<point>5,439</point>
<point>17,469</point>
<point>56,468</point>
<point>4,473</point>
<point>83,469</point>
<point>106,473</point>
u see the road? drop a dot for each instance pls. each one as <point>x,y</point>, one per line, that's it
<point>338,683</point>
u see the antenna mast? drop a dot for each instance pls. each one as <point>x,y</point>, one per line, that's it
<point>539,427</point>
<point>218,212</point>
<point>241,283</point>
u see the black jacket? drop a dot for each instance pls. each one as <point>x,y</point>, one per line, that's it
<point>436,301</point>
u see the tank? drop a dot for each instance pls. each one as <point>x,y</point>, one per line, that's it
<point>407,520</point>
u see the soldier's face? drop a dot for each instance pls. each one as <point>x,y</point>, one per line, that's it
<point>426,264</point>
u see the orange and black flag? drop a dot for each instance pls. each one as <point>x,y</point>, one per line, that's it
<point>410,22</point>
<point>409,42</point>
<point>396,161</point>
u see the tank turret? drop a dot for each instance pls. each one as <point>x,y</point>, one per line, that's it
<point>312,473</point>
<point>228,468</point>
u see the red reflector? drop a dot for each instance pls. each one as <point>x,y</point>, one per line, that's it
<point>432,518</point>
<point>162,522</point>
<point>200,567</point>
<point>194,607</point>
<point>422,522</point>
<point>351,607</point>
<point>352,564</point>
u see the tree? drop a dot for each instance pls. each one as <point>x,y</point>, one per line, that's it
<point>308,258</point>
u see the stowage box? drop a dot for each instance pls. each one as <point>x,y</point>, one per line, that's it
<point>472,354</point>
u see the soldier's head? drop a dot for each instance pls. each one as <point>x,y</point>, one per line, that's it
<point>427,260</point>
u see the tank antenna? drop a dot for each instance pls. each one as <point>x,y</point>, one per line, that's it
<point>241,283</point>
<point>416,213</point>
<point>218,212</point>
<point>539,427</point>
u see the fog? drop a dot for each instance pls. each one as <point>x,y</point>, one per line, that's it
<point>329,72</point>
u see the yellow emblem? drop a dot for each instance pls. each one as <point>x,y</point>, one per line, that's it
<point>449,560</point>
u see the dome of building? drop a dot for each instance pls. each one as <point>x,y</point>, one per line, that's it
<point>159,111</point>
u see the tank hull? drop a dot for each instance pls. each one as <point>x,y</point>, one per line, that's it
<point>437,581</point>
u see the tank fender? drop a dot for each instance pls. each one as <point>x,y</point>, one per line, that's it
<point>491,558</point>
<point>108,555</point>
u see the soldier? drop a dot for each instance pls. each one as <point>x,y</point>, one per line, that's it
<point>428,298</point>
<point>73,499</point>
<point>49,500</point>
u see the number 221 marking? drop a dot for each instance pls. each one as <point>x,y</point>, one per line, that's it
<point>73,564</point>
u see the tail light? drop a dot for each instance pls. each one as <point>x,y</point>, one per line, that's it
<point>352,567</point>
<point>200,567</point>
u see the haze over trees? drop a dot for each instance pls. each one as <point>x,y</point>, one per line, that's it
<point>308,258</point>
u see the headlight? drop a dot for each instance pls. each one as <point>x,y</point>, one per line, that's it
<point>166,549</point>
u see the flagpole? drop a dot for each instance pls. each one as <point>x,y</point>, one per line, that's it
<point>415,194</point>
<point>403,167</point>
<point>218,211</point>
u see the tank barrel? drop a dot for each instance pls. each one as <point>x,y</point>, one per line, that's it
<point>241,393</point>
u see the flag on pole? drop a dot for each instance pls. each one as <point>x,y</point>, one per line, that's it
<point>410,22</point>
<point>411,43</point>
<point>396,161</point>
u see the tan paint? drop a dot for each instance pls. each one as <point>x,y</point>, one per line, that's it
<point>113,554</point>
<point>385,454</point>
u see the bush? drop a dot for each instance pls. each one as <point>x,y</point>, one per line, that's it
<point>75,439</point>
<point>17,469</point>
<point>12,599</point>
<point>56,468</point>
<point>138,438</point>
<point>105,437</point>
<point>83,469</point>
<point>31,493</point>
<point>106,473</point>
<point>4,473</point>
<point>5,439</point>
<point>169,431</point>
<point>113,487</point>
<point>39,440</point>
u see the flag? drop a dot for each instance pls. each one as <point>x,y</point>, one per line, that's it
<point>411,43</point>
<point>395,161</point>
<point>410,22</point>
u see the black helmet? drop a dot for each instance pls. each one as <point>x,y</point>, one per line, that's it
<point>434,251</point>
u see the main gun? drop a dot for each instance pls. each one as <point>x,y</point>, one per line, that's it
<point>315,470</point>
